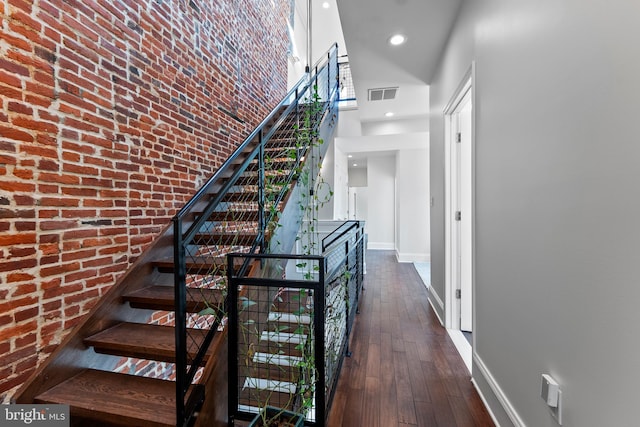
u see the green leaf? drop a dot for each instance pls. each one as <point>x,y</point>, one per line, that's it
<point>207,311</point>
<point>248,303</point>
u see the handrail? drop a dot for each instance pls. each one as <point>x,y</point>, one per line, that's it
<point>295,90</point>
<point>192,223</point>
<point>325,245</point>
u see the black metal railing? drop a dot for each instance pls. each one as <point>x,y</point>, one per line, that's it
<point>235,211</point>
<point>288,330</point>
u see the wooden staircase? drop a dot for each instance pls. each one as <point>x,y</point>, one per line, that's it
<point>121,366</point>
<point>82,371</point>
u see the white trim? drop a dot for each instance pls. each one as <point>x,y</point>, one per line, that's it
<point>452,309</point>
<point>484,401</point>
<point>276,316</point>
<point>498,393</point>
<point>277,359</point>
<point>462,345</point>
<point>271,385</point>
<point>413,257</point>
<point>384,246</point>
<point>283,337</point>
<point>247,408</point>
<point>438,301</point>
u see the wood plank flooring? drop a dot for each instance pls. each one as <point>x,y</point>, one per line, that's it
<point>405,370</point>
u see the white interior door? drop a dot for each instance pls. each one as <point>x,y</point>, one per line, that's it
<point>459,209</point>
<point>465,224</point>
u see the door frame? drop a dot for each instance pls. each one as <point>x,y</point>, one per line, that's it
<point>452,306</point>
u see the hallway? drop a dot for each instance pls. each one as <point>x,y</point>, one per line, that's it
<point>404,371</point>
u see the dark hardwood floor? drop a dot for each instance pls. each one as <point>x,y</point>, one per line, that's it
<point>404,371</point>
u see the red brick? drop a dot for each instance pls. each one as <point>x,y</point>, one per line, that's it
<point>59,269</point>
<point>19,107</point>
<point>18,239</point>
<point>22,252</point>
<point>15,134</point>
<point>26,340</point>
<point>17,330</point>
<point>15,381</point>
<point>25,226</point>
<point>72,256</point>
<point>21,277</point>
<point>57,225</point>
<point>26,314</point>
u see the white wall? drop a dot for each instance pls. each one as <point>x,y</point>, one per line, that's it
<point>358,177</point>
<point>411,231</point>
<point>327,184</point>
<point>349,124</point>
<point>395,127</point>
<point>326,30</point>
<point>341,184</point>
<point>557,230</point>
<point>412,205</point>
<point>381,198</point>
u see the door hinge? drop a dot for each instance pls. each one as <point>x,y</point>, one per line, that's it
<point>458,216</point>
<point>458,293</point>
<point>459,137</point>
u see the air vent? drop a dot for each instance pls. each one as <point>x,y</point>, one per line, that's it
<point>382,94</point>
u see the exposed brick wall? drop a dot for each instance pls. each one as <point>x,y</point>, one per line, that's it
<point>112,113</point>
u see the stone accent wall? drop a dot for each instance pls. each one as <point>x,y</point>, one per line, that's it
<point>112,114</point>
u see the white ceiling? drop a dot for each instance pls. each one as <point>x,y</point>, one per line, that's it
<point>362,29</point>
<point>367,26</point>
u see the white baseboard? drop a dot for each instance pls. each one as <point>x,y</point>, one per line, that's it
<point>381,246</point>
<point>462,345</point>
<point>412,257</point>
<point>499,395</point>
<point>434,298</point>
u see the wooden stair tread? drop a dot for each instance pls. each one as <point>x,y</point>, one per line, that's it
<point>283,163</point>
<point>235,216</point>
<point>270,371</point>
<point>225,239</point>
<point>122,399</point>
<point>272,180</point>
<point>163,298</point>
<point>278,348</point>
<point>144,341</point>
<point>202,265</point>
<point>246,196</point>
<point>260,398</point>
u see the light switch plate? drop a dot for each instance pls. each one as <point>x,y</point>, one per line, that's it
<point>552,395</point>
<point>549,390</point>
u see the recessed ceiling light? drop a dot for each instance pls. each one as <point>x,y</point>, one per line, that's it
<point>350,156</point>
<point>355,164</point>
<point>397,39</point>
<point>388,114</point>
<point>325,5</point>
